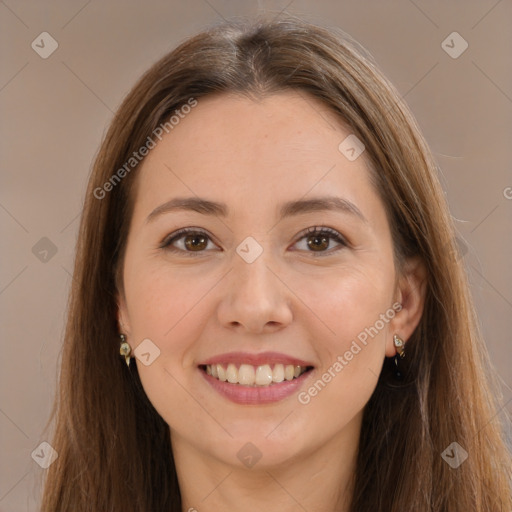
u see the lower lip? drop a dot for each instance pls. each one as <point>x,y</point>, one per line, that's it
<point>255,395</point>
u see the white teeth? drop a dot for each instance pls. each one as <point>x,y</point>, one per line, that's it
<point>263,375</point>
<point>221,373</point>
<point>278,373</point>
<point>232,373</point>
<point>246,375</point>
<point>249,375</point>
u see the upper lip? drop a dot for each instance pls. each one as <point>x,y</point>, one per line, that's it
<point>256,359</point>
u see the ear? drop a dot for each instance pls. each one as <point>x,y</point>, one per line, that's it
<point>410,293</point>
<point>123,318</point>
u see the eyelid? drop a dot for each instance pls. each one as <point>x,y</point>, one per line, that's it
<point>333,233</point>
<point>175,235</point>
<point>323,229</point>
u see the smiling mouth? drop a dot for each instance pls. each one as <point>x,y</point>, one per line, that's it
<point>250,375</point>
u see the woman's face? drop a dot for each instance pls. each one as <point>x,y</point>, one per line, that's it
<point>249,289</point>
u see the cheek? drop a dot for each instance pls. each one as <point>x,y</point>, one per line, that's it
<point>348,301</point>
<point>355,309</point>
<point>166,307</point>
<point>160,299</point>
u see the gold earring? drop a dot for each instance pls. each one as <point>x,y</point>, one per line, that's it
<point>125,349</point>
<point>399,345</point>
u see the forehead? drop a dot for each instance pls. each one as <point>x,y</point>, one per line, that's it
<point>253,152</point>
<point>241,129</point>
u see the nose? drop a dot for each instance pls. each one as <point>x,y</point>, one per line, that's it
<point>255,299</point>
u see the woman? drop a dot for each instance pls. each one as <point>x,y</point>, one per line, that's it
<point>268,309</point>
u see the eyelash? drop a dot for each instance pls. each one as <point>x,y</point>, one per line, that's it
<point>316,230</point>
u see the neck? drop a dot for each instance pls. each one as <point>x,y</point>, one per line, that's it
<point>319,480</point>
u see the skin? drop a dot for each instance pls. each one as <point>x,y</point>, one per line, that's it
<point>253,155</point>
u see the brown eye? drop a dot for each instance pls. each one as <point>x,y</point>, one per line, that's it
<point>186,241</point>
<point>195,242</point>
<point>316,242</point>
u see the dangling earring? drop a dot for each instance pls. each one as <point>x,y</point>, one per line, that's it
<point>125,349</point>
<point>399,345</point>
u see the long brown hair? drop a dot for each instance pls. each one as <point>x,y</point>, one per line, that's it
<point>114,448</point>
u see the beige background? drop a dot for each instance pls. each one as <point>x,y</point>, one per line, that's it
<point>55,110</point>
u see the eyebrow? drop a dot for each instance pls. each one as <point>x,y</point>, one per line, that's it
<point>288,209</point>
